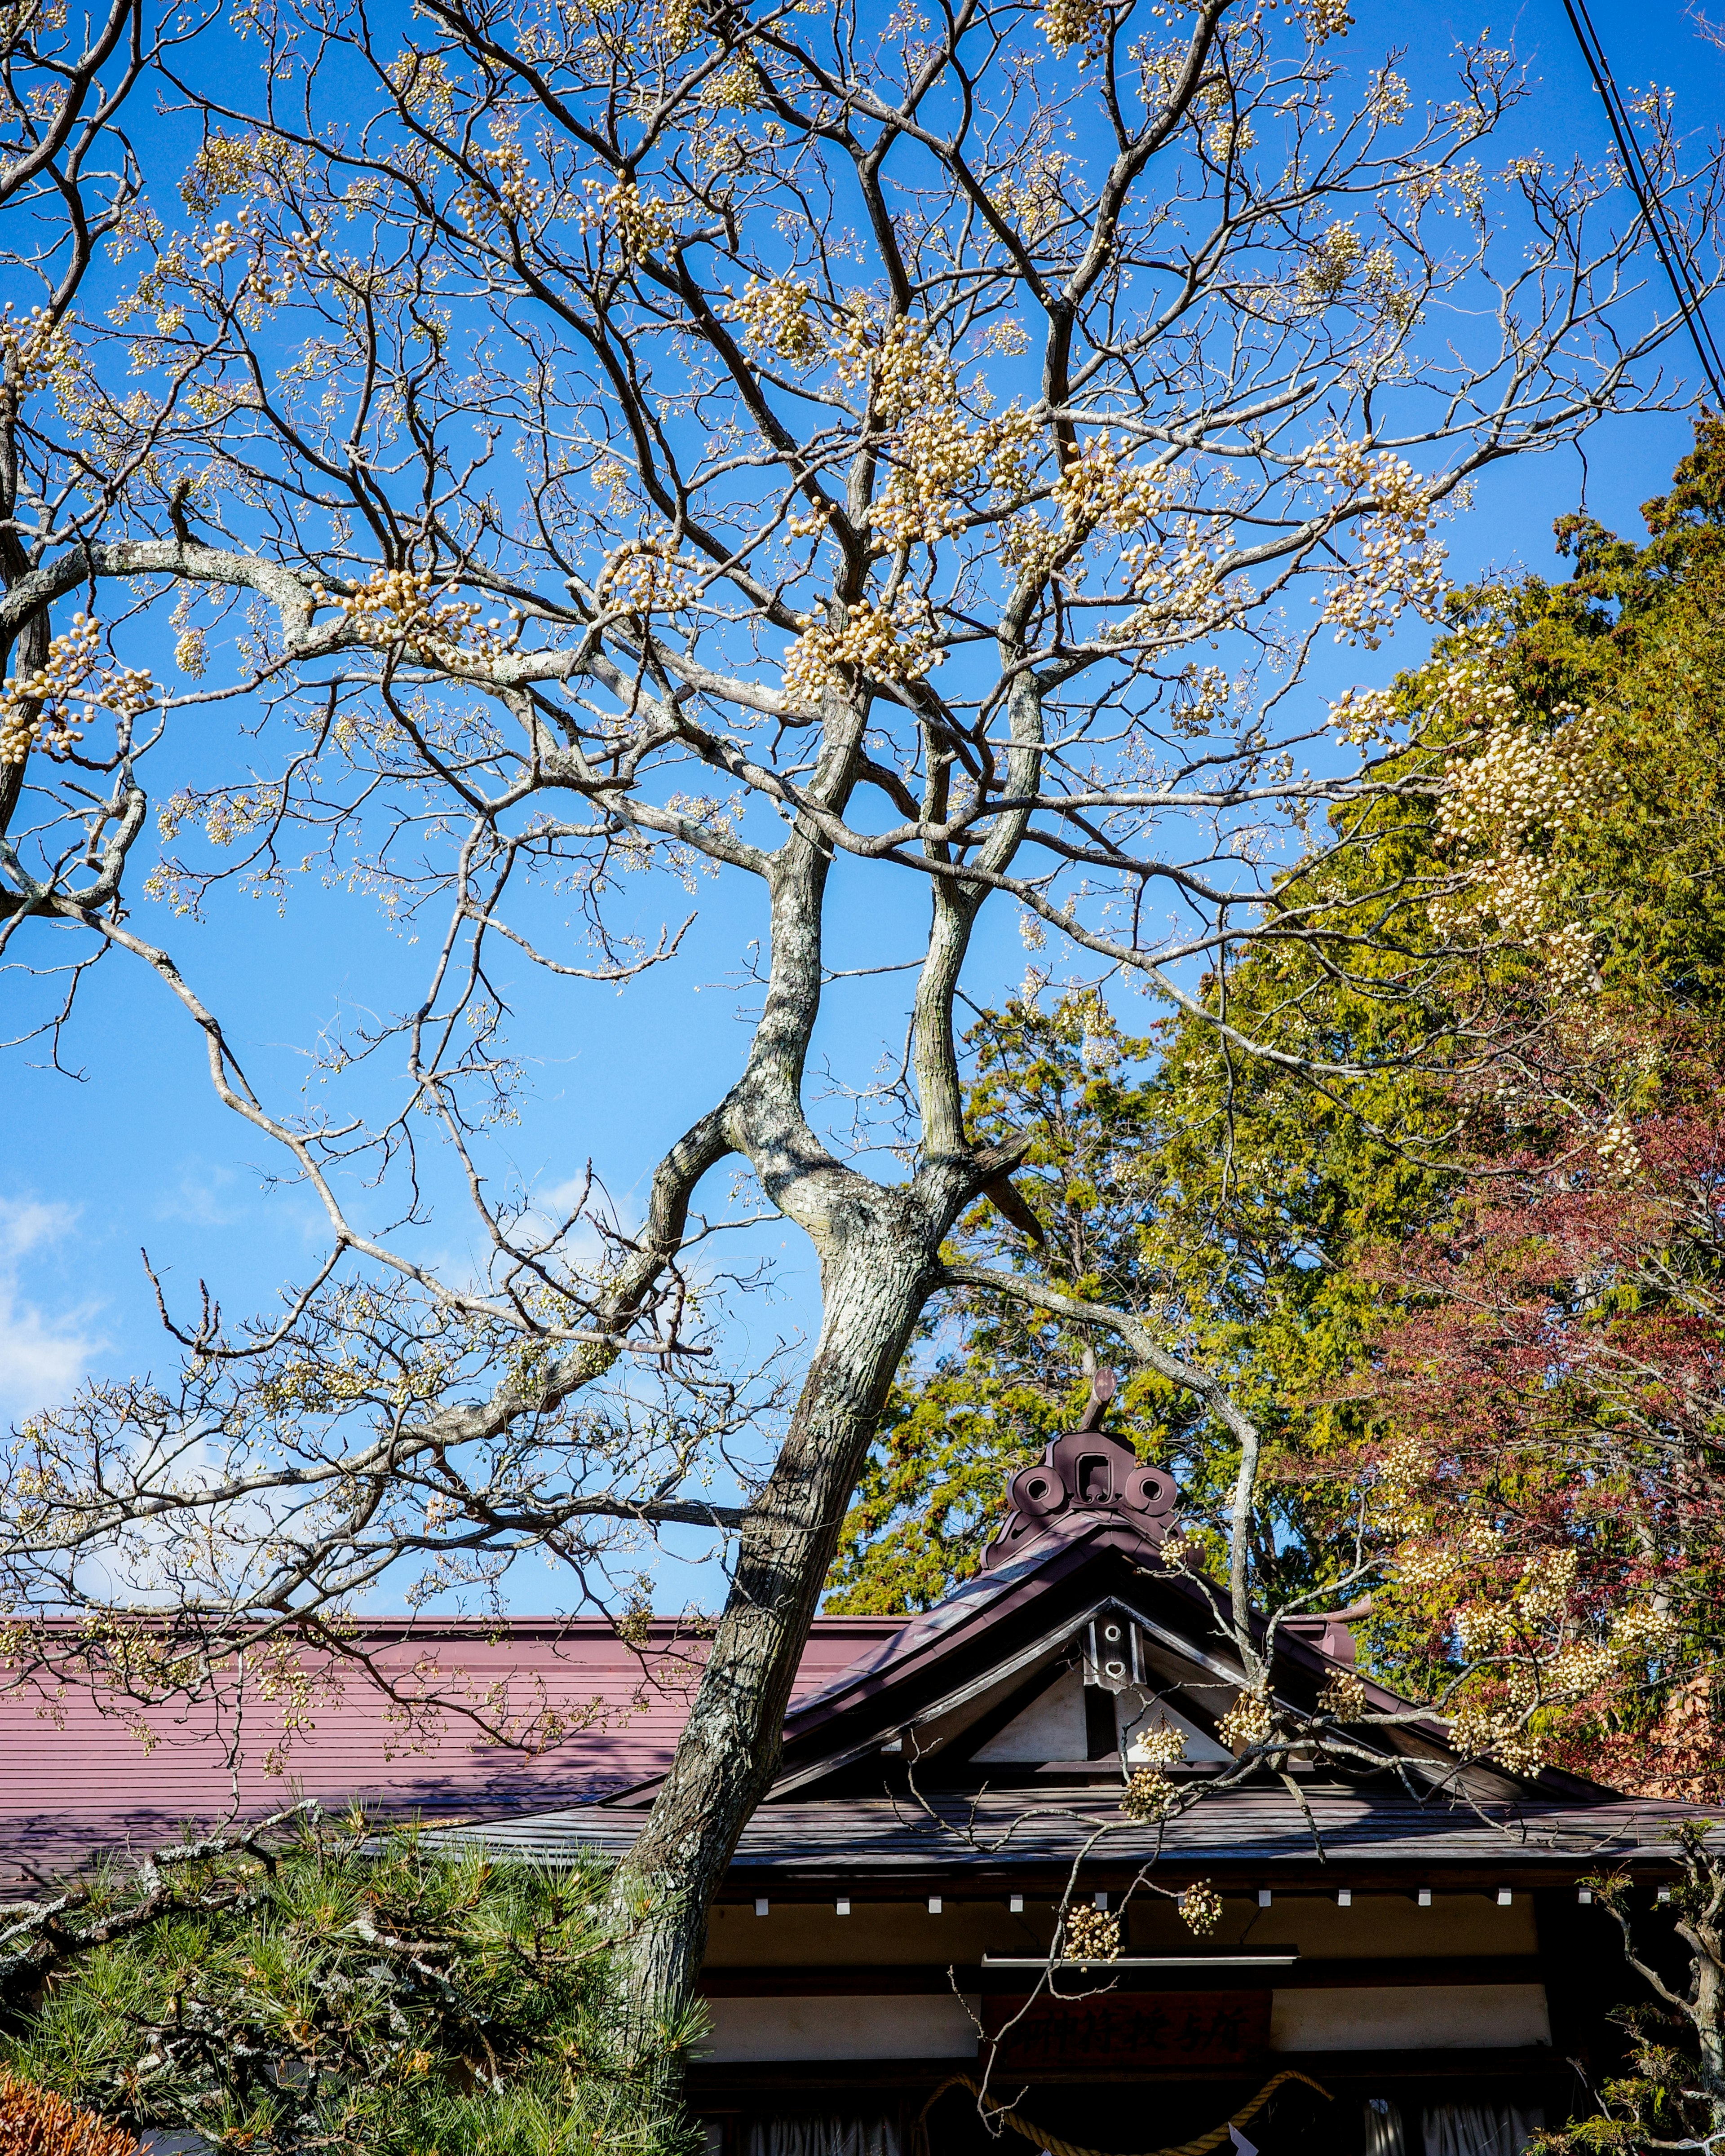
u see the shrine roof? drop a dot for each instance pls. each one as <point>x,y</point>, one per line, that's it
<point>876,1842</point>
<point>994,1693</point>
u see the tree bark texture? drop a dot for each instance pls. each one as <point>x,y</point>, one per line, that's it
<point>875,1284</point>
<point>879,1250</point>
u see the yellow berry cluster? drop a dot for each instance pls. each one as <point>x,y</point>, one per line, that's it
<point>125,689</point>
<point>1569,960</point>
<point>1397,562</point>
<point>1404,1471</point>
<point>1149,1794</point>
<point>1100,491</point>
<point>1523,781</point>
<point>1325,19</point>
<point>1620,1155</point>
<point>226,165</point>
<point>906,372</point>
<point>1164,1746</point>
<point>1496,1730</point>
<point>1091,1935</point>
<point>1068,22</point>
<point>33,348</point>
<point>889,644</point>
<point>934,458</point>
<point>511,184</point>
<point>35,704</point>
<point>1201,1908</point>
<point>1247,1721</point>
<point>1323,276</point>
<point>1028,192</point>
<point>1529,1672</point>
<point>1636,1634</point>
<point>222,241</point>
<point>1343,1697</point>
<point>36,708</point>
<point>1484,1628</point>
<point>1389,99</point>
<point>774,313</point>
<point>421,79</point>
<point>733,89</point>
<point>1361,716</point>
<point>1548,1585</point>
<point>640,223</point>
<point>677,24</point>
<point>396,608</point>
<point>647,577</point>
<point>1508,807</point>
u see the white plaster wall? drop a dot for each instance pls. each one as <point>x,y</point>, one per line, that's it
<point>1052,1726</point>
<point>925,2025</point>
<point>1413,2017</point>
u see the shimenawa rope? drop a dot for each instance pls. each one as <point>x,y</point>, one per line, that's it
<point>1200,2147</point>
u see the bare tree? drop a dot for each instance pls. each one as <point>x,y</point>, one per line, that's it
<point>67,181</point>
<point>770,444</point>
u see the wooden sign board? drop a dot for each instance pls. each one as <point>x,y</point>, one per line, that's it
<point>1116,2032</point>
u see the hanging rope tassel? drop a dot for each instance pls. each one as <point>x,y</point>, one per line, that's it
<point>1201,2147</point>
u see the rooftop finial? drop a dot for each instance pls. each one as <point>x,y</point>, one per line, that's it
<point>1103,1386</point>
<point>1085,1471</point>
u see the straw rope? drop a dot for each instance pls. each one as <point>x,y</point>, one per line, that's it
<point>1201,2147</point>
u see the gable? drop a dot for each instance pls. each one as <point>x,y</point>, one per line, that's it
<point>1080,1696</point>
<point>1058,1726</point>
<point>1060,1663</point>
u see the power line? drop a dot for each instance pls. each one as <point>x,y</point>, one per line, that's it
<point>1672,253</point>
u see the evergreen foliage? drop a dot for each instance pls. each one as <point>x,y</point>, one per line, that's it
<point>341,1987</point>
<point>1222,1198</point>
<point>1250,1210</point>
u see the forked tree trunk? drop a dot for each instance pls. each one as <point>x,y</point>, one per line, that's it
<point>879,1248</point>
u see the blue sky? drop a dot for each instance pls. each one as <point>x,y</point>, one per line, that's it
<point>138,1152</point>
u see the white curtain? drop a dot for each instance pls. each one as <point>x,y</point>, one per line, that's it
<point>822,2137</point>
<point>1384,2128</point>
<point>1477,2129</point>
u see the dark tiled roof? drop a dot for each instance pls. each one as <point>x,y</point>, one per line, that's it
<point>77,1774</point>
<point>881,1839</point>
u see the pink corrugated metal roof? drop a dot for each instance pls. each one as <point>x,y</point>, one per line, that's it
<point>77,1772</point>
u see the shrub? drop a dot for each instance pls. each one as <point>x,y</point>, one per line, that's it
<point>355,1990</point>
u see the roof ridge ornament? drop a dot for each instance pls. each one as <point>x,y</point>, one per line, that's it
<point>1086,1470</point>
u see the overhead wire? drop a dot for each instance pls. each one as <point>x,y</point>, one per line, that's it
<point>1671,250</point>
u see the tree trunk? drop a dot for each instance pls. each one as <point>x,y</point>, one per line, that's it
<point>879,1266</point>
<point>1708,2016</point>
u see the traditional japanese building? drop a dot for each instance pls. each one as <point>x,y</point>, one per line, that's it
<point>1403,1960</point>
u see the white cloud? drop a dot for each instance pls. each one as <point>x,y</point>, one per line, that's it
<point>44,1352</point>
<point>196,1198</point>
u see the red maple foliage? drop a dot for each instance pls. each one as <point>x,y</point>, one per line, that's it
<point>1557,1396</point>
